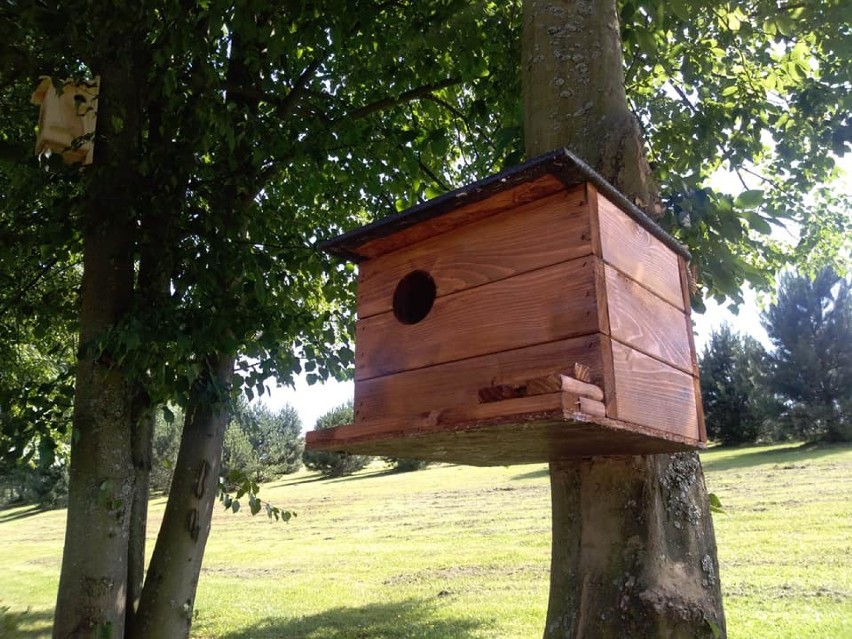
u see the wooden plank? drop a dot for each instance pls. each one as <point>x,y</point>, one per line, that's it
<point>548,231</point>
<point>683,269</point>
<point>634,251</point>
<point>699,406</point>
<point>684,283</point>
<point>551,403</point>
<point>644,321</point>
<point>458,383</point>
<point>503,201</point>
<point>541,306</point>
<point>592,195</point>
<point>608,374</point>
<point>554,383</point>
<point>531,429</point>
<point>654,394</point>
<point>591,407</point>
<point>601,297</point>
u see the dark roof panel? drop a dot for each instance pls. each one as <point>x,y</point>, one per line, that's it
<point>562,164</point>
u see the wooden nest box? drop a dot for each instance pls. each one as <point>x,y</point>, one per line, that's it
<point>534,316</point>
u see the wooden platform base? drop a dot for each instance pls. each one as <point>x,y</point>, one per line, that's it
<point>540,428</point>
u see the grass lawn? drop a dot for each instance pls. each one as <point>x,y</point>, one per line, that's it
<point>457,552</point>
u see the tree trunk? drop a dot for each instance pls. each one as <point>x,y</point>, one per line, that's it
<point>92,586</point>
<point>634,553</point>
<point>168,597</point>
<point>141,447</point>
<point>633,550</point>
<point>573,85</point>
<point>155,266</point>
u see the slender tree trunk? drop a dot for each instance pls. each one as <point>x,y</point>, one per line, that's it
<point>142,439</point>
<point>155,266</point>
<point>168,597</point>
<point>92,587</point>
<point>634,553</point>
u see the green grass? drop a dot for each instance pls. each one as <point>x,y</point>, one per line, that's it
<point>459,553</point>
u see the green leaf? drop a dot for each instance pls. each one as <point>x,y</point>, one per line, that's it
<point>678,7</point>
<point>757,223</point>
<point>715,504</point>
<point>714,628</point>
<point>785,24</point>
<point>646,40</point>
<point>749,199</point>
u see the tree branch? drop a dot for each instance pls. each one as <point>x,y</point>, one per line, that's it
<point>285,105</point>
<point>403,98</point>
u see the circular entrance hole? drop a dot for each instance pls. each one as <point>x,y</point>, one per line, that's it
<point>413,297</point>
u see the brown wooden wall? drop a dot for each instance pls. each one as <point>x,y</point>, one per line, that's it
<point>524,292</point>
<point>457,383</point>
<point>649,364</point>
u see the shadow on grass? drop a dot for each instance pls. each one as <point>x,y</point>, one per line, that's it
<point>356,477</point>
<point>793,454</point>
<point>28,511</point>
<point>295,482</point>
<point>410,619</point>
<point>384,472</point>
<point>534,474</point>
<point>30,624</point>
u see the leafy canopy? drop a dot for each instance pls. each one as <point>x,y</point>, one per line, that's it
<point>759,89</point>
<point>319,118</point>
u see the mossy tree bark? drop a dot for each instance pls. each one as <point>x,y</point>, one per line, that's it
<point>92,589</point>
<point>634,553</point>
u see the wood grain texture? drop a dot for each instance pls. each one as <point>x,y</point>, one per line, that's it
<point>503,201</point>
<point>459,383</point>
<point>644,321</point>
<point>699,404</point>
<point>548,231</point>
<point>551,403</point>
<point>591,407</point>
<point>608,374</point>
<point>653,394</point>
<point>592,196</point>
<point>517,431</point>
<point>684,283</point>
<point>634,251</point>
<point>541,306</point>
<point>563,383</point>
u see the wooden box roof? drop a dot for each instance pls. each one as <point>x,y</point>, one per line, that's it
<point>564,166</point>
